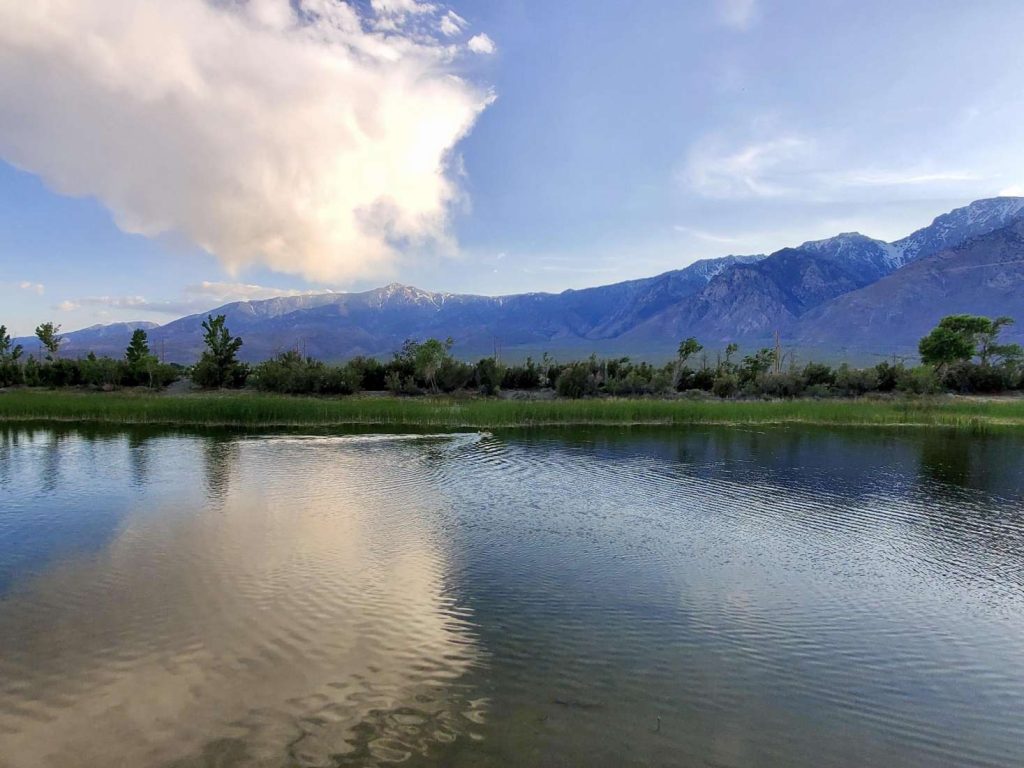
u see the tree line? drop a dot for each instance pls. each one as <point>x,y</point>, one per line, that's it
<point>963,353</point>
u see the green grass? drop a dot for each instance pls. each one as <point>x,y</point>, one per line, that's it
<point>243,409</point>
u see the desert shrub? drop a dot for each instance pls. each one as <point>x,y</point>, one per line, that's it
<point>725,385</point>
<point>368,373</point>
<point>576,381</point>
<point>818,374</point>
<point>854,382</point>
<point>453,375</point>
<point>781,385</point>
<point>527,376</point>
<point>919,380</point>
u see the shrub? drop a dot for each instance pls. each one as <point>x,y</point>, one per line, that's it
<point>726,385</point>
<point>526,376</point>
<point>576,381</point>
<point>854,382</point>
<point>488,376</point>
<point>370,373</point>
<point>919,380</point>
<point>818,375</point>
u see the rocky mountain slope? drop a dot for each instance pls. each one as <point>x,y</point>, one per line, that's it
<point>848,292</point>
<point>984,276</point>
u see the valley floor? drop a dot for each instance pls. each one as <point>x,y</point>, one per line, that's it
<point>250,410</point>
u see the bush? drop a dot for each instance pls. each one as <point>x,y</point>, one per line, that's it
<point>11,374</point>
<point>968,377</point>
<point>726,385</point>
<point>454,375</point>
<point>818,375</point>
<point>488,376</point>
<point>888,375</point>
<point>370,373</point>
<point>854,382</point>
<point>781,385</point>
<point>576,381</point>
<point>526,376</point>
<point>209,374</point>
<point>920,380</point>
<point>292,374</point>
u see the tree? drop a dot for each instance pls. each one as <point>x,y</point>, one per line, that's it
<point>428,358</point>
<point>8,352</point>
<point>944,346</point>
<point>488,375</point>
<point>138,348</point>
<point>958,338</point>
<point>47,333</point>
<point>688,349</point>
<point>139,360</point>
<point>10,371</point>
<point>757,364</point>
<point>219,367</point>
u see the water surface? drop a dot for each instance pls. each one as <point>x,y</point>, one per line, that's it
<point>708,597</point>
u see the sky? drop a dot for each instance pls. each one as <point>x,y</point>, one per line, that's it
<point>158,159</point>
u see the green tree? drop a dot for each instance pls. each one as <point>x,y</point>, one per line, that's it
<point>10,371</point>
<point>488,376</point>
<point>944,346</point>
<point>9,352</point>
<point>959,338</point>
<point>139,360</point>
<point>757,364</point>
<point>688,349</point>
<point>138,348</point>
<point>428,358</point>
<point>47,333</point>
<point>219,366</point>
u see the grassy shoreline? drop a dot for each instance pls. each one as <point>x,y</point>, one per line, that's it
<point>249,410</point>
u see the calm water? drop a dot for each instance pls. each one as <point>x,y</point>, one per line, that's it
<point>700,598</point>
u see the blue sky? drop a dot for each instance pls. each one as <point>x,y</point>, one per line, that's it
<point>502,147</point>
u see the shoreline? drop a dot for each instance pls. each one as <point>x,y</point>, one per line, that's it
<point>253,410</point>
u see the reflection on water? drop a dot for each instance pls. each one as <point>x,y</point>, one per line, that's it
<point>708,598</point>
<point>265,632</point>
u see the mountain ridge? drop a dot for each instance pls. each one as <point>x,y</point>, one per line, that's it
<point>733,298</point>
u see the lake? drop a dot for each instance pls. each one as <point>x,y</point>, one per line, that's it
<point>704,597</point>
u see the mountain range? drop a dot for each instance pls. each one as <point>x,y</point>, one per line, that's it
<point>847,296</point>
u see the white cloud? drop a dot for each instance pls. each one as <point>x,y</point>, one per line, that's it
<point>905,177</point>
<point>298,135</point>
<point>36,288</point>
<point>225,292</point>
<point>451,24</point>
<point>197,297</point>
<point>796,167</point>
<point>481,44</point>
<point>759,169</point>
<point>738,14</point>
<point>710,237</point>
<point>401,7</point>
<point>1014,190</point>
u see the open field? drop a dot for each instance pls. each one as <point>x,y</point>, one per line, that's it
<point>243,409</point>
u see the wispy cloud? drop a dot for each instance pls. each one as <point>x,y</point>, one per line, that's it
<point>197,297</point>
<point>765,168</point>
<point>793,166</point>
<point>738,14</point>
<point>451,24</point>
<point>311,136</point>
<point>710,237</point>
<point>36,288</point>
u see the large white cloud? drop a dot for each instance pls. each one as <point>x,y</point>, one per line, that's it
<point>303,135</point>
